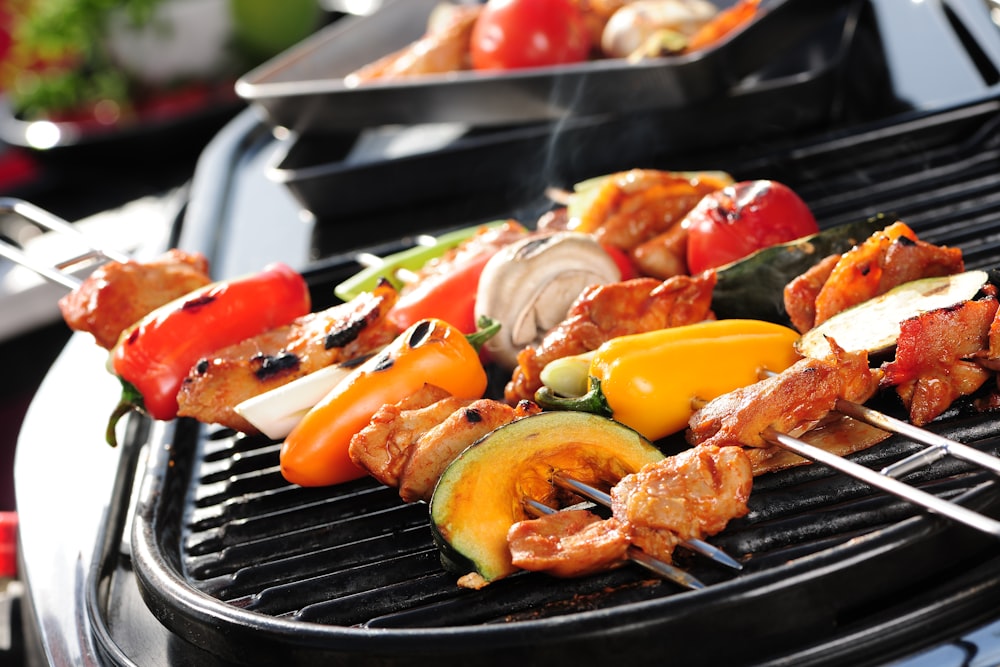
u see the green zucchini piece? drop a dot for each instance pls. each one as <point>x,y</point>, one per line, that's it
<point>411,259</point>
<point>753,287</point>
<point>481,493</point>
<point>874,325</point>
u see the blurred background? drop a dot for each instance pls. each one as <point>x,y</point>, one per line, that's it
<point>104,102</point>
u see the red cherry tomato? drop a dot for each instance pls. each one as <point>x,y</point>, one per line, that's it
<point>512,34</point>
<point>739,219</point>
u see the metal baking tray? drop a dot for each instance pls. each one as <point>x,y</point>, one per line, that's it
<point>331,174</point>
<point>303,89</point>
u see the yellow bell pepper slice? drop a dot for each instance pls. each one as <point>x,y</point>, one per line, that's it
<point>654,381</point>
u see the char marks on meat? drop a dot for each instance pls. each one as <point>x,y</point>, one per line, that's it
<point>792,402</point>
<point>936,357</point>
<point>116,295</point>
<point>408,445</point>
<point>603,312</point>
<point>691,495</point>
<point>215,386</point>
<point>885,260</point>
<point>688,496</point>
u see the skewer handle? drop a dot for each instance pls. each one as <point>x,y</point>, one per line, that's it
<point>53,223</point>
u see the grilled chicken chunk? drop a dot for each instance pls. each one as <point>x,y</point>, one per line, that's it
<point>885,260</point>
<point>693,494</point>
<point>571,543</point>
<point>688,496</point>
<point>216,385</point>
<point>800,294</point>
<point>408,445</point>
<point>382,447</point>
<point>791,402</point>
<point>434,450</point>
<point>444,48</point>
<point>116,295</point>
<point>936,357</point>
<point>603,312</point>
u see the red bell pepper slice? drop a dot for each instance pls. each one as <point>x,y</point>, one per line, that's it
<point>448,296</point>
<point>155,354</point>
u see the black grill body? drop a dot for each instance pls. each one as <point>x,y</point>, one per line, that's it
<point>204,556</point>
<point>231,557</point>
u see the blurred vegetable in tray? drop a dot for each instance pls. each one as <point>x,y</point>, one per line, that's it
<point>109,60</point>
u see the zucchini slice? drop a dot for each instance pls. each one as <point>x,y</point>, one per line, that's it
<point>753,287</point>
<point>873,326</point>
<point>481,493</point>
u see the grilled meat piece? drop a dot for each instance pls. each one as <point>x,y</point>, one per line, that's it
<point>443,48</point>
<point>431,453</point>
<point>216,385</point>
<point>634,206</point>
<point>693,494</point>
<point>800,294</point>
<point>603,312</point>
<point>116,295</point>
<point>409,444</point>
<point>688,496</point>
<point>571,543</point>
<point>792,402</point>
<point>664,255</point>
<point>885,260</point>
<point>382,447</point>
<point>936,357</point>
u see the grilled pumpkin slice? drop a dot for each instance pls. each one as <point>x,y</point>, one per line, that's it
<point>481,493</point>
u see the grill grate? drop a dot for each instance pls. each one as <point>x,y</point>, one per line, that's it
<point>233,558</point>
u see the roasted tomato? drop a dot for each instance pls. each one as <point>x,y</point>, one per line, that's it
<point>742,218</point>
<point>513,34</point>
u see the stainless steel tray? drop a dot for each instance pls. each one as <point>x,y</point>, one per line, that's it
<point>303,88</point>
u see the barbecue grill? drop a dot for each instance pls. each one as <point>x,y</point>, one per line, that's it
<point>186,546</point>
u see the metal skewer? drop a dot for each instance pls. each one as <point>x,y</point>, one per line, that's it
<point>601,498</point>
<point>938,446</point>
<point>636,555</point>
<point>885,483</point>
<point>46,220</point>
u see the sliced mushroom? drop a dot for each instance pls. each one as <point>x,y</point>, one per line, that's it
<point>529,286</point>
<point>630,27</point>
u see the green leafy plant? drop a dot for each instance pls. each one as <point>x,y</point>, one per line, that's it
<point>60,60</point>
